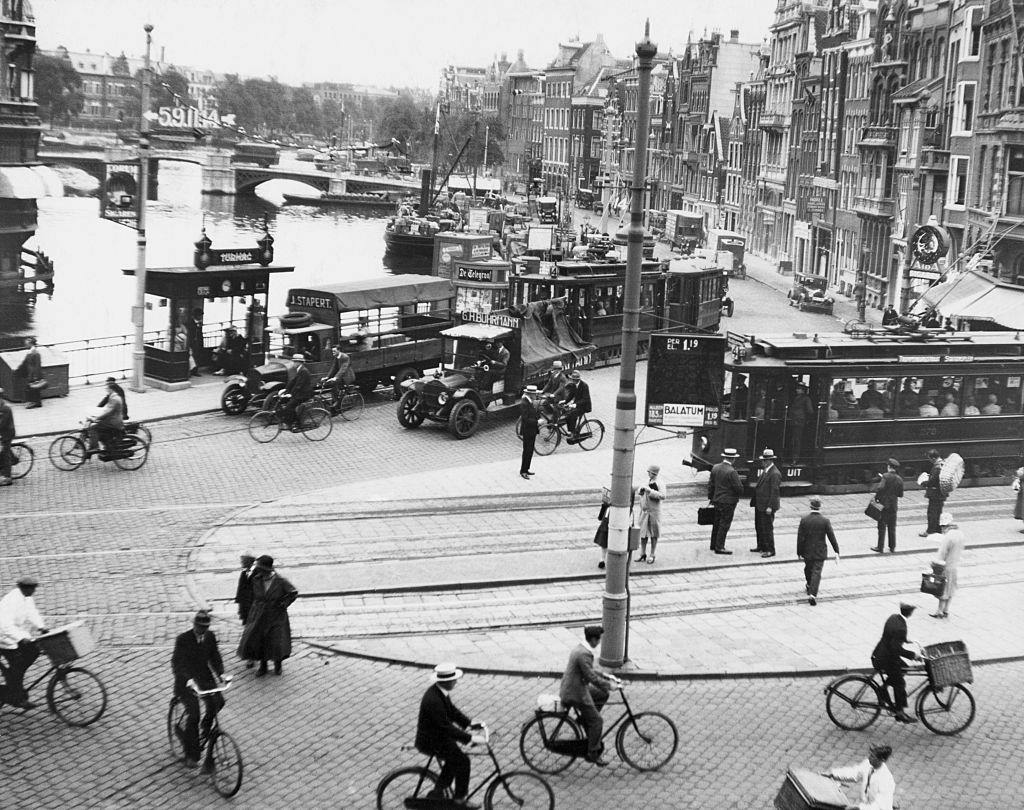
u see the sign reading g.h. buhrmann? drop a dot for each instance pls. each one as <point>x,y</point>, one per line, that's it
<point>681,415</point>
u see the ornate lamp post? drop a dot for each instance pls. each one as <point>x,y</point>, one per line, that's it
<point>139,310</point>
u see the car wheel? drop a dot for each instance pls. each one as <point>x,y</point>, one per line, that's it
<point>234,400</point>
<point>407,373</point>
<point>464,419</point>
<point>408,410</point>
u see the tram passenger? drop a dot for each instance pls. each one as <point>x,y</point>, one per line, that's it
<point>971,407</point>
<point>890,316</point>
<point>949,406</point>
<point>910,398</point>
<point>740,397</point>
<point>992,407</point>
<point>927,407</point>
<point>842,401</point>
<point>801,411</point>
<point>872,399</point>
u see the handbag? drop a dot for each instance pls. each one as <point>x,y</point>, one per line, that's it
<point>935,584</point>
<point>705,516</point>
<point>874,509</point>
<point>39,385</point>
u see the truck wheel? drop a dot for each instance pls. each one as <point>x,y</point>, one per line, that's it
<point>407,373</point>
<point>464,419</point>
<point>234,400</point>
<point>408,413</point>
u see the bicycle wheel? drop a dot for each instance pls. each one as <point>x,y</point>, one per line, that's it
<point>548,438</point>
<point>519,789</point>
<point>176,729</point>
<point>227,764</point>
<point>316,424</point>
<point>591,434</point>
<point>264,426</point>
<point>22,459</point>
<point>647,741</point>
<point>138,450</point>
<point>557,730</point>
<point>946,710</point>
<point>853,702</point>
<point>405,783</point>
<point>351,406</point>
<point>68,452</point>
<point>76,696</point>
<point>143,433</point>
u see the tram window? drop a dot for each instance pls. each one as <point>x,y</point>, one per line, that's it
<point>864,398</point>
<point>993,395</point>
<point>759,398</point>
<point>739,399</point>
<point>842,402</point>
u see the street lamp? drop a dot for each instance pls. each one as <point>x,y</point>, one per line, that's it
<point>139,310</point>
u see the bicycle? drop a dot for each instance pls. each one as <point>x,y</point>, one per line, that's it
<point>23,458</point>
<point>128,451</point>
<point>223,757</point>
<point>73,694</point>
<point>551,433</point>
<point>553,740</point>
<point>410,787</point>
<point>313,422</point>
<point>854,702</point>
<point>350,403</point>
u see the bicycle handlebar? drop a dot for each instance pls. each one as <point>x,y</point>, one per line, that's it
<point>194,687</point>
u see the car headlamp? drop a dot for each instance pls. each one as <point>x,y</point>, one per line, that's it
<point>442,397</point>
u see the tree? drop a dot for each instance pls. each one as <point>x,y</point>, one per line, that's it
<point>401,118</point>
<point>307,116</point>
<point>170,89</point>
<point>58,87</point>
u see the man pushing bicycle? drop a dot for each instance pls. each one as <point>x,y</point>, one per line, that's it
<point>197,661</point>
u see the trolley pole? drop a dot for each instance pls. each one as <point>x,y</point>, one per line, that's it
<point>614,652</point>
<point>139,310</point>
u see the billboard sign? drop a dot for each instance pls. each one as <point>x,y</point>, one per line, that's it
<point>685,379</point>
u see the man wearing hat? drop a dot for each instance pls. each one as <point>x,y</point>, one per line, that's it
<point>577,402</point>
<point>814,528</point>
<point>440,728</point>
<point>889,492</point>
<point>19,623</point>
<point>888,656</point>
<point>197,659</point>
<point>587,689</point>
<point>740,397</point>
<point>651,497</point>
<point>268,632</point>
<point>767,494</point>
<point>877,787</point>
<point>298,390</point>
<point>801,412</point>
<point>933,494</point>
<point>7,434</point>
<point>556,381</point>
<point>724,491</point>
<point>529,415</point>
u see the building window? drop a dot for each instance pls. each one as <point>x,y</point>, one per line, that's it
<point>958,181</point>
<point>972,25</point>
<point>963,117</point>
<point>1015,182</point>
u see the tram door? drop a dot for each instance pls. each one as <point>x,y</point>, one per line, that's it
<point>784,411</point>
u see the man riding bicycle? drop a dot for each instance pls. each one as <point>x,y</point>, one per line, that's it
<point>19,623</point>
<point>108,425</point>
<point>440,729</point>
<point>576,403</point>
<point>298,390</point>
<point>197,660</point>
<point>888,656</point>
<point>586,689</point>
<point>340,374</point>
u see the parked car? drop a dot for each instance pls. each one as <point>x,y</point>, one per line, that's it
<point>810,293</point>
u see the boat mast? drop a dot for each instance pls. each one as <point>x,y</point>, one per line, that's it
<point>427,178</point>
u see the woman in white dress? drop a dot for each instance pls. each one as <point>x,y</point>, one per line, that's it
<point>950,550</point>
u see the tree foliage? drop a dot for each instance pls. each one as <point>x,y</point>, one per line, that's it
<point>58,87</point>
<point>169,89</point>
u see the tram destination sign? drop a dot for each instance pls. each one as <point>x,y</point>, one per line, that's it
<point>685,377</point>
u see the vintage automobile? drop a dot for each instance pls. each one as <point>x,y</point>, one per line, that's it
<point>810,293</point>
<point>468,383</point>
<point>547,210</point>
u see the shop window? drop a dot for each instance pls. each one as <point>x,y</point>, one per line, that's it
<point>1015,182</point>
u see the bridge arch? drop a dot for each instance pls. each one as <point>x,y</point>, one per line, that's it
<point>247,179</point>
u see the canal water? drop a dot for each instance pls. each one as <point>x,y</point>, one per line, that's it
<point>93,298</point>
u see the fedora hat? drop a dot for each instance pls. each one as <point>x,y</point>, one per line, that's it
<point>299,357</point>
<point>446,672</point>
<point>768,453</point>
<point>28,581</point>
<point>531,389</point>
<point>730,452</point>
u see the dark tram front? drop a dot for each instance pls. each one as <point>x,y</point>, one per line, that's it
<point>836,406</point>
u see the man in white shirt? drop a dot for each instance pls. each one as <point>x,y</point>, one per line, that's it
<point>877,787</point>
<point>19,622</point>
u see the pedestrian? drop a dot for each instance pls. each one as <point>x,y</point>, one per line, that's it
<point>651,497</point>
<point>888,493</point>
<point>1018,487</point>
<point>724,491</point>
<point>950,550</point>
<point>529,416</point>
<point>814,529</point>
<point>7,434</point>
<point>243,592</point>
<point>31,369</point>
<point>194,331</point>
<point>601,535</point>
<point>268,635</point>
<point>933,492</point>
<point>888,658</point>
<point>766,501</point>
<point>20,623</point>
<point>877,787</point>
<point>587,689</point>
<point>196,658</point>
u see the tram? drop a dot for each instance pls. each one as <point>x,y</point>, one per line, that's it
<point>671,294</point>
<point>892,393</point>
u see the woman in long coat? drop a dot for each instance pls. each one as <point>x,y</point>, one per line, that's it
<point>268,634</point>
<point>950,550</point>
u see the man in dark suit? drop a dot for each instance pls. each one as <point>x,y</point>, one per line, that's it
<point>810,546</point>
<point>197,658</point>
<point>888,658</point>
<point>890,490</point>
<point>587,689</point>
<point>766,503</point>
<point>933,492</point>
<point>724,491</point>
<point>529,415</point>
<point>577,397</point>
<point>439,730</point>
<point>7,434</point>
<point>299,389</point>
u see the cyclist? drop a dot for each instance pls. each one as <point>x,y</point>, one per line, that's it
<point>7,434</point>
<point>888,657</point>
<point>298,390</point>
<point>197,660</point>
<point>340,374</point>
<point>19,622</point>
<point>553,390</point>
<point>440,729</point>
<point>108,424</point>
<point>576,402</point>
<point>586,689</point>
<point>117,389</point>
<point>877,787</point>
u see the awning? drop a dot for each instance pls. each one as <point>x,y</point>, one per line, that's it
<point>950,297</point>
<point>21,183</point>
<point>478,331</point>
<point>383,291</point>
<point>1002,304</point>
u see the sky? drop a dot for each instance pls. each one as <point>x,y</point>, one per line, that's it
<point>400,43</point>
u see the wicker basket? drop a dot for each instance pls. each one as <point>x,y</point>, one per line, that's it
<point>948,663</point>
<point>65,644</point>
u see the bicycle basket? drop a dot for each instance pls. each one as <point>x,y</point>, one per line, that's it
<point>548,703</point>
<point>948,663</point>
<point>65,644</point>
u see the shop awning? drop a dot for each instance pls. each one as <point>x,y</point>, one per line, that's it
<point>1002,304</point>
<point>950,298</point>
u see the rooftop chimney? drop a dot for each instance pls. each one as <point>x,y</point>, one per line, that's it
<point>734,35</point>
